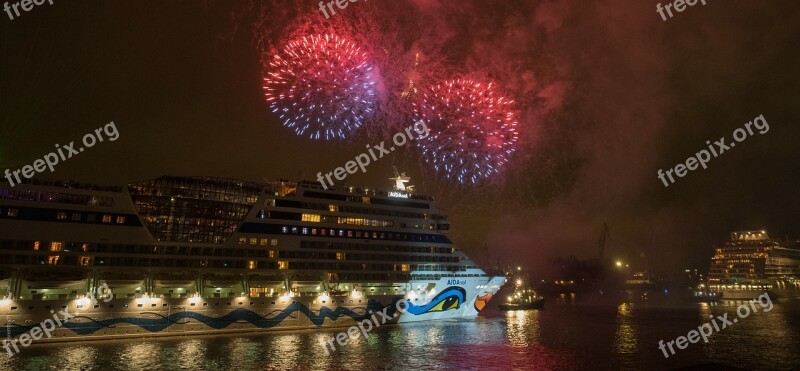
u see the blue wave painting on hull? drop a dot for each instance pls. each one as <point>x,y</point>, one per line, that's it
<point>239,315</point>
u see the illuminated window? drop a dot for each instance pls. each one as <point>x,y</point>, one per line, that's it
<point>340,256</point>
<point>106,218</point>
<point>36,246</point>
<point>85,260</point>
<point>53,260</point>
<point>242,240</point>
<point>404,267</point>
<point>333,208</point>
<point>264,241</point>
<point>294,230</point>
<point>120,220</point>
<point>285,230</point>
<point>349,233</point>
<point>341,232</point>
<point>310,218</point>
<point>254,241</point>
<point>12,212</point>
<point>273,254</point>
<point>283,264</point>
<point>365,200</point>
<point>85,247</point>
<point>56,246</point>
<point>305,230</point>
<point>274,242</point>
<point>313,231</point>
<point>322,232</point>
<point>252,264</point>
<point>61,215</point>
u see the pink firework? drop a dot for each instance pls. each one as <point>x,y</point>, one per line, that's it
<point>321,85</point>
<point>473,129</point>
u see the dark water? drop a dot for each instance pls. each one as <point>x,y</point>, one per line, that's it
<point>567,335</point>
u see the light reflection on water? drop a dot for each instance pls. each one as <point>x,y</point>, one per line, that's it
<point>625,340</point>
<point>567,335</point>
<point>522,328</point>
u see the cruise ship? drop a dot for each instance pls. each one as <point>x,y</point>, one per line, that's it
<point>752,263</point>
<point>202,255</point>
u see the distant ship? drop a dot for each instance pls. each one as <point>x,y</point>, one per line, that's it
<point>752,263</point>
<point>177,255</point>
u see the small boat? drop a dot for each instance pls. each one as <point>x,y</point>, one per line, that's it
<point>523,299</point>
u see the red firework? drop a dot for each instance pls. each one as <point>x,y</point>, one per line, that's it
<point>320,84</point>
<point>473,129</point>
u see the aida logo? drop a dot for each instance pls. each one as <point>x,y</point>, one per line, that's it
<point>456,282</point>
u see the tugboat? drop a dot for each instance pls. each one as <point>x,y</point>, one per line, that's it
<point>523,298</point>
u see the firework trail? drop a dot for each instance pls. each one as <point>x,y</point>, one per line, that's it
<point>473,129</point>
<point>321,84</point>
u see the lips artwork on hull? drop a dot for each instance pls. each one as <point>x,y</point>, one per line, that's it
<point>450,298</point>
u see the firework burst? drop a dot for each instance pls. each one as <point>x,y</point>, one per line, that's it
<point>473,129</point>
<point>320,86</point>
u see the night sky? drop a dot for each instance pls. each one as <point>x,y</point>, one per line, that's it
<point>607,94</point>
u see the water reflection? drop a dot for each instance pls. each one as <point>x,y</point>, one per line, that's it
<point>142,354</point>
<point>625,340</point>
<point>522,327</point>
<point>769,333</point>
<point>80,358</point>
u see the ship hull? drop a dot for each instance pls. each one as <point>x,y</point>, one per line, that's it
<point>121,318</point>
<point>774,293</point>
<point>538,304</point>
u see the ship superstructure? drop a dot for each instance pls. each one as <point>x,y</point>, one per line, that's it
<point>752,263</point>
<point>213,254</point>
